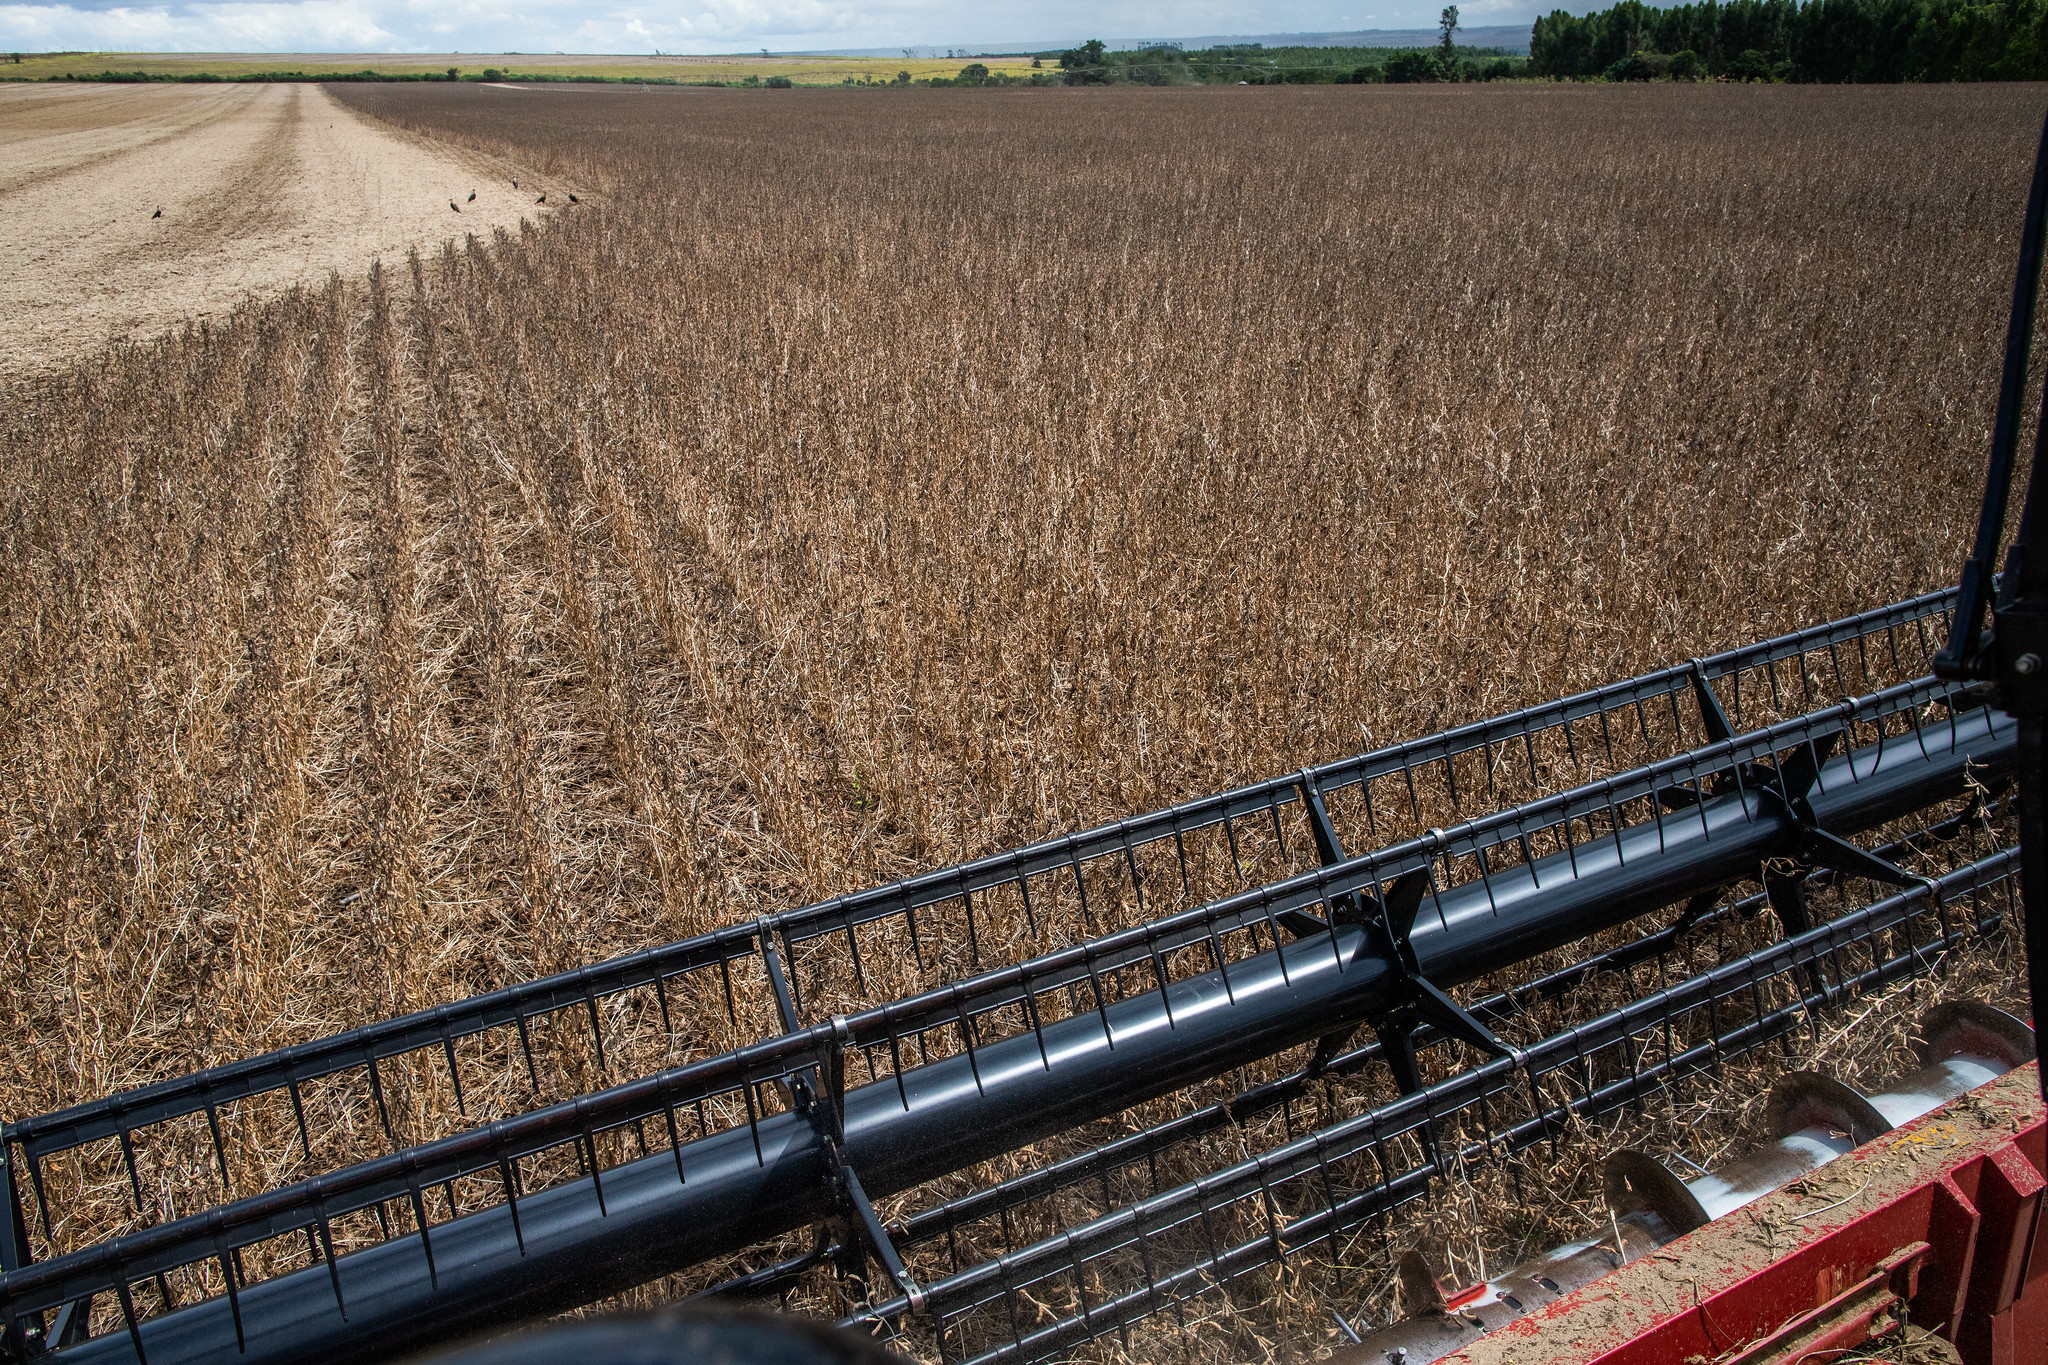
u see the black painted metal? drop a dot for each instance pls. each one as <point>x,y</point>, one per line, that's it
<point>585,1238</point>
<point>1962,657</point>
<point>2013,655</point>
<point>433,1029</point>
<point>1163,1254</point>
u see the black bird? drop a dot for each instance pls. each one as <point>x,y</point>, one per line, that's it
<point>543,198</point>
<point>158,214</point>
<point>515,184</point>
<point>574,200</point>
<point>453,205</point>
<point>471,199</point>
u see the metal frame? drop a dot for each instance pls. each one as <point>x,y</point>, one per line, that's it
<point>975,1068</point>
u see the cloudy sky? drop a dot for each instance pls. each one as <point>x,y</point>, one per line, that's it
<point>491,26</point>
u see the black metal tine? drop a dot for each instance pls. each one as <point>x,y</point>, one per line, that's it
<point>1137,879</point>
<point>1273,928</point>
<point>1571,849</point>
<point>35,1172</point>
<point>333,1274</point>
<point>973,939</point>
<point>675,1141</point>
<point>128,1316</point>
<point>1031,1017</point>
<point>508,1180</point>
<point>1159,975</point>
<point>454,1071</point>
<point>896,1057</point>
<point>525,1046</point>
<point>419,1213</point>
<point>596,1031</point>
<point>1216,958</point>
<point>299,1114</point>
<point>966,1022</point>
<point>1081,887</point>
<point>377,1092</point>
<point>1230,837</point>
<point>1101,1005</point>
<point>732,1012</point>
<point>1642,724</point>
<point>1485,880</point>
<point>1180,851</point>
<point>916,944</point>
<point>1614,819</point>
<point>668,1027</point>
<point>753,1120</point>
<point>596,1162</point>
<point>227,1274</point>
<point>1030,916</point>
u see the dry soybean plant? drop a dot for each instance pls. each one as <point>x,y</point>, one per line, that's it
<point>854,482</point>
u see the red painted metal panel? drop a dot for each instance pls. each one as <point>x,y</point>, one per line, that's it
<point>1804,1265</point>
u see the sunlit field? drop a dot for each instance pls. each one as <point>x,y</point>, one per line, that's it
<point>853,484</point>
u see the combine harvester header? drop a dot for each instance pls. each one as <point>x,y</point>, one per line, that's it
<point>1110,1084</point>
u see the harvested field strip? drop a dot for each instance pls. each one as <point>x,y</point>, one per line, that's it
<point>259,188</point>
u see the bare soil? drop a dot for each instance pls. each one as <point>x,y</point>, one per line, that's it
<point>260,187</point>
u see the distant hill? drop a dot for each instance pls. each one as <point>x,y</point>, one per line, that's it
<point>1507,37</point>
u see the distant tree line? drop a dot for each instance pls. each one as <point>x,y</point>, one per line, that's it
<point>1875,41</point>
<point>1253,64</point>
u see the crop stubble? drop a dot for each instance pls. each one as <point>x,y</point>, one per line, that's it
<point>866,482</point>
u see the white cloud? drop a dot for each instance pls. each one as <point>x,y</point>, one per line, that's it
<point>490,26</point>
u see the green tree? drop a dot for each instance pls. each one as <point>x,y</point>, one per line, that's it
<point>1087,64</point>
<point>1409,68</point>
<point>1752,65</point>
<point>972,74</point>
<point>1447,22</point>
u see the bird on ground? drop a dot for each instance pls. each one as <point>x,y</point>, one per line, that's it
<point>543,198</point>
<point>471,199</point>
<point>158,214</point>
<point>453,205</point>
<point>515,184</point>
<point>574,200</point>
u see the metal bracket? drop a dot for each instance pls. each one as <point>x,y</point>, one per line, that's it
<point>866,1235</point>
<point>1714,720</point>
<point>1712,717</point>
<point>1330,852</point>
<point>1816,848</point>
<point>73,1323</point>
<point>18,1340</point>
<point>818,1092</point>
<point>1421,1001</point>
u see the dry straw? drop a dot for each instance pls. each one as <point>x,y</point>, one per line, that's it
<point>860,482</point>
